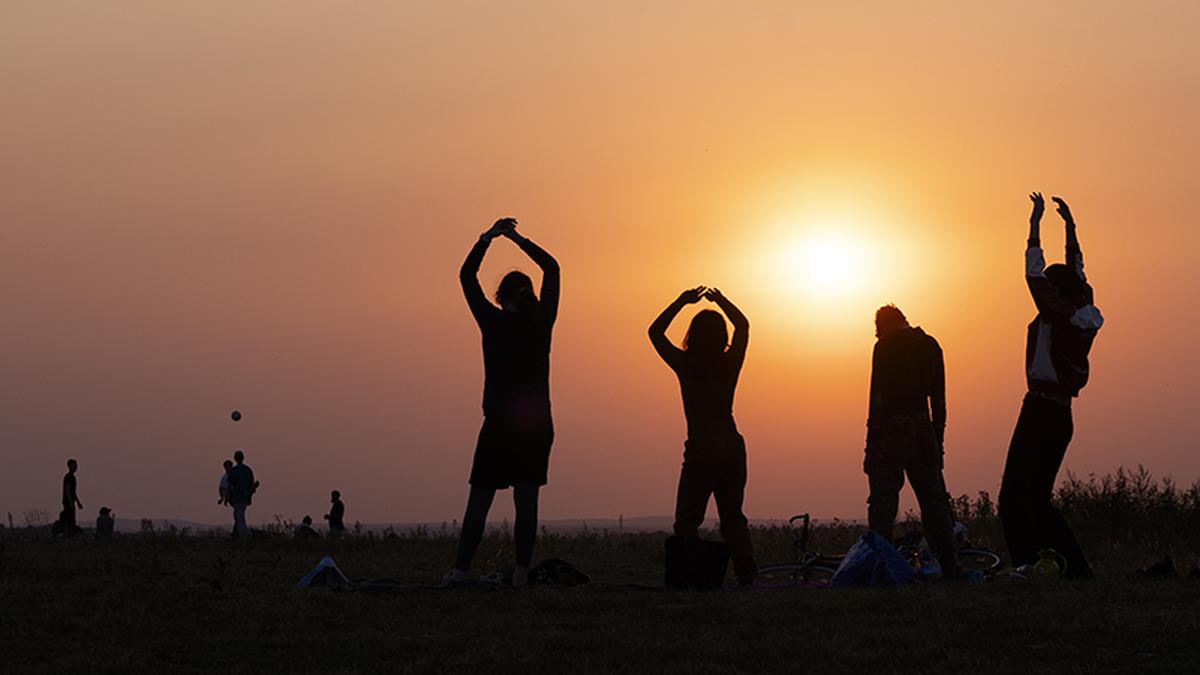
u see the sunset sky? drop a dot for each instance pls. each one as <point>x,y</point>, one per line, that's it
<point>263,206</point>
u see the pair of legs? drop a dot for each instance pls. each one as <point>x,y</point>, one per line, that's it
<point>1031,522</point>
<point>525,498</point>
<point>240,529</point>
<point>910,447</point>
<point>68,520</point>
<point>717,470</point>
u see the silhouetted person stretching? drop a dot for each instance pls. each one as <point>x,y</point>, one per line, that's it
<point>906,427</point>
<point>714,456</point>
<point>105,523</point>
<point>1056,369</point>
<point>336,513</point>
<point>514,443</point>
<point>70,499</point>
<point>242,487</point>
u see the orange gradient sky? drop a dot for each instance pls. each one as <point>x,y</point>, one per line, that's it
<point>212,206</point>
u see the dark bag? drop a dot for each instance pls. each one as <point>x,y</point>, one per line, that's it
<point>557,572</point>
<point>695,564</point>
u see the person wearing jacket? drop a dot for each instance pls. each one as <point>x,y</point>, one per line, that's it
<point>906,427</point>
<point>1056,368</point>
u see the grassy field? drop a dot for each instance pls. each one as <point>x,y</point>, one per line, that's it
<point>169,603</point>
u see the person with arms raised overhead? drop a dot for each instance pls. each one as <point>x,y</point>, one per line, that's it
<point>714,456</point>
<point>906,428</point>
<point>1056,369</point>
<point>514,443</point>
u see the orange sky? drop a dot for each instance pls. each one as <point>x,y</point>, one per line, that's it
<point>209,207</point>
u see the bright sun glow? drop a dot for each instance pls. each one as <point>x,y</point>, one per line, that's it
<point>828,264</point>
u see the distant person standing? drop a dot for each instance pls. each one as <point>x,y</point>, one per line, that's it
<point>223,485</point>
<point>1056,369</point>
<point>337,512</point>
<point>906,427</point>
<point>514,444</point>
<point>105,524</point>
<point>70,499</point>
<point>714,456</point>
<point>242,487</point>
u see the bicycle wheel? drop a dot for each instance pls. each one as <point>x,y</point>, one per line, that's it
<point>977,560</point>
<point>795,575</point>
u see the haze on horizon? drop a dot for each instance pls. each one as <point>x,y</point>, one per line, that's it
<point>209,207</point>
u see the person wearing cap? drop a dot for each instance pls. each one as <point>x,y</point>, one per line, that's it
<point>1056,369</point>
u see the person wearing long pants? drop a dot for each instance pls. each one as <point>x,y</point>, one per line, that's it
<point>714,458</point>
<point>1056,368</point>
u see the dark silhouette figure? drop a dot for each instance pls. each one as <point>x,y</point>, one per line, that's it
<point>305,530</point>
<point>1056,369</point>
<point>514,444</point>
<point>223,485</point>
<point>70,500</point>
<point>105,524</point>
<point>714,456</point>
<point>906,426</point>
<point>242,487</point>
<point>337,513</point>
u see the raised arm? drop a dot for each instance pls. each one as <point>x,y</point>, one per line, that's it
<point>1074,252</point>
<point>741,325</point>
<point>1045,296</point>
<point>468,275</point>
<point>658,329</point>
<point>551,277</point>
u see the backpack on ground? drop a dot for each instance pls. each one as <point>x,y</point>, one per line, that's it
<point>694,564</point>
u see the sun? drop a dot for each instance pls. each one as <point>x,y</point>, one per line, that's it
<point>828,264</point>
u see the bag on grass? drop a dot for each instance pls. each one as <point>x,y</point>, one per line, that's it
<point>557,572</point>
<point>694,564</point>
<point>872,561</point>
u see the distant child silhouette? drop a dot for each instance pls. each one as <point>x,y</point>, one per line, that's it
<point>105,523</point>
<point>514,444</point>
<point>223,485</point>
<point>304,529</point>
<point>242,487</point>
<point>70,500</point>
<point>714,457</point>
<point>1056,369</point>
<point>906,426</point>
<point>337,512</point>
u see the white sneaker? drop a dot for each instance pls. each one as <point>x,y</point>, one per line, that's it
<point>453,577</point>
